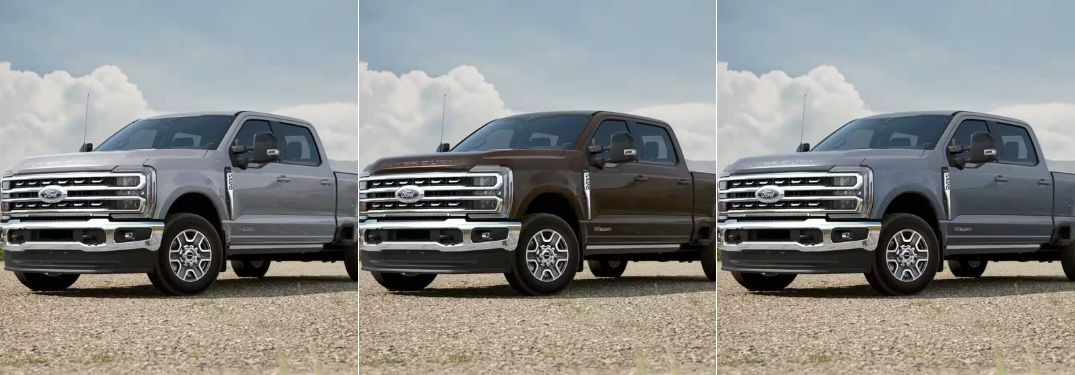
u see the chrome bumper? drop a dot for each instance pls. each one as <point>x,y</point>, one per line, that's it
<point>826,227</point>
<point>108,226</point>
<point>514,228</point>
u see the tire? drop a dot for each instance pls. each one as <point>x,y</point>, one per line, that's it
<point>908,247</point>
<point>350,261</point>
<point>967,268</point>
<point>44,282</point>
<point>189,239</point>
<point>1067,261</point>
<point>607,268</point>
<point>709,262</point>
<point>547,247</point>
<point>759,282</point>
<point>250,268</point>
<point>400,282</point>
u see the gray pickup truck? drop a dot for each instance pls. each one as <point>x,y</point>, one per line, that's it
<point>175,196</point>
<point>893,195</point>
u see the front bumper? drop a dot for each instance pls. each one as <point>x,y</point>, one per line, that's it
<point>793,256</point>
<point>75,256</point>
<point>433,256</point>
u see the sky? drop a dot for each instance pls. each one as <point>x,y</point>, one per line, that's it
<point>499,57</point>
<point>857,57</point>
<point>140,58</point>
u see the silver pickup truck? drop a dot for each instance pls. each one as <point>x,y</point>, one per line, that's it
<point>174,196</point>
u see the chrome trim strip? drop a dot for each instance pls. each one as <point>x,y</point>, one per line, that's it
<point>230,183</point>
<point>947,193</point>
<point>514,229</point>
<point>145,182</point>
<point>825,226</point>
<point>109,227</point>
<point>586,189</point>
<point>863,179</point>
<point>1012,246</point>
<point>653,246</point>
<point>503,184</point>
<point>277,246</point>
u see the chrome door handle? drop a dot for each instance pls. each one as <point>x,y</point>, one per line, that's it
<point>1044,182</point>
<point>1000,178</point>
<point>684,181</point>
<point>283,178</point>
<point>641,178</point>
<point>326,182</point>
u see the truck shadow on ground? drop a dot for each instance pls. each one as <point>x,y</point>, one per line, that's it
<point>986,286</point>
<point>628,286</point>
<point>269,286</point>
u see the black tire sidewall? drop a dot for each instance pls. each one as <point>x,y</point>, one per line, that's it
<point>604,268</point>
<point>884,281</point>
<point>403,283</point>
<point>246,267</point>
<point>350,261</point>
<point>709,262</point>
<point>525,281</point>
<point>44,283</point>
<point>763,283</point>
<point>169,281</point>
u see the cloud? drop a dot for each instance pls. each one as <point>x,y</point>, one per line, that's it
<point>760,115</point>
<point>45,114</point>
<point>401,114</point>
<point>1052,126</point>
<point>335,123</point>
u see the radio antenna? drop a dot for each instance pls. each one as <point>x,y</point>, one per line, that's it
<point>802,127</point>
<point>443,106</point>
<point>86,119</point>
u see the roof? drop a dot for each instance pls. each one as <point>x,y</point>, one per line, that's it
<point>227,113</point>
<point>584,113</point>
<point>943,113</point>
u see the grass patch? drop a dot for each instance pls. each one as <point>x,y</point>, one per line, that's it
<point>1,255</point>
<point>26,361</point>
<point>818,358</point>
<point>640,364</point>
<point>283,364</point>
<point>744,361</point>
<point>100,358</point>
<point>384,360</point>
<point>458,358</point>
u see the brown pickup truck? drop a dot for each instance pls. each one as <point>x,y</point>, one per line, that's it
<point>532,196</point>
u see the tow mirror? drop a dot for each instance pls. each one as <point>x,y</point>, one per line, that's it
<point>982,149</point>
<point>444,147</point>
<point>265,149</point>
<point>86,147</point>
<point>622,148</point>
<point>803,147</point>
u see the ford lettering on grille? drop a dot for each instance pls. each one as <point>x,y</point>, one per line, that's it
<point>769,194</point>
<point>52,194</point>
<point>409,194</point>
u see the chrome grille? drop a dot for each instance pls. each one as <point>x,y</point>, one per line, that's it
<point>440,193</point>
<point>803,194</point>
<point>97,193</point>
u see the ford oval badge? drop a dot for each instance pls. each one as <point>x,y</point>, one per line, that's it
<point>52,194</point>
<point>769,194</point>
<point>409,194</point>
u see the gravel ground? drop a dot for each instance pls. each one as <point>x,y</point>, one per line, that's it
<point>657,318</point>
<point>1018,318</point>
<point>301,318</point>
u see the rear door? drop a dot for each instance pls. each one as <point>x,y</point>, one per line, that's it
<point>1026,186</point>
<point>663,207</point>
<point>305,196</point>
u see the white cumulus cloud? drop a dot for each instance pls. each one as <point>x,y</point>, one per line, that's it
<point>336,125</point>
<point>694,125</point>
<point>1052,123</point>
<point>762,114</point>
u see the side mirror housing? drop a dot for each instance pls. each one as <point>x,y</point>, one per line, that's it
<point>444,147</point>
<point>803,147</point>
<point>982,149</point>
<point>86,147</point>
<point>265,149</point>
<point>622,148</point>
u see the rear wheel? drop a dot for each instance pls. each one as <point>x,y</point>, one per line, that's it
<point>764,282</point>
<point>350,261</point>
<point>404,282</point>
<point>967,268</point>
<point>906,257</point>
<point>250,268</point>
<point>546,257</point>
<point>607,268</point>
<point>46,282</point>
<point>190,256</point>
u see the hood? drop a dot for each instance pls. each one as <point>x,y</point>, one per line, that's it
<point>815,161</point>
<point>457,161</point>
<point>96,161</point>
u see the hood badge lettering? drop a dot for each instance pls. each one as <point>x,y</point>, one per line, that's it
<point>52,194</point>
<point>409,194</point>
<point>769,194</point>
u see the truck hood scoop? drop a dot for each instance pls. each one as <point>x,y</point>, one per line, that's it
<point>814,161</point>
<point>96,161</point>
<point>456,161</point>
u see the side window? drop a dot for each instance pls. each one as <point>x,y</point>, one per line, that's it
<point>654,144</point>
<point>603,136</point>
<point>1014,145</point>
<point>963,133</point>
<point>297,145</point>
<point>245,137</point>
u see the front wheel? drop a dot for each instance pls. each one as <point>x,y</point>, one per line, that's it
<point>906,257</point>
<point>709,262</point>
<point>764,282</point>
<point>1067,261</point>
<point>404,282</point>
<point>46,282</point>
<point>350,261</point>
<point>190,256</point>
<point>250,268</point>
<point>967,268</point>
<point>546,257</point>
<point>607,268</point>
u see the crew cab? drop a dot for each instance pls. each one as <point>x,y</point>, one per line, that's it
<point>891,196</point>
<point>174,196</point>
<point>532,196</point>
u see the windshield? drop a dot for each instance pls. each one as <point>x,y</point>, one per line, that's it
<point>541,132</point>
<point>194,132</point>
<point>905,132</point>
